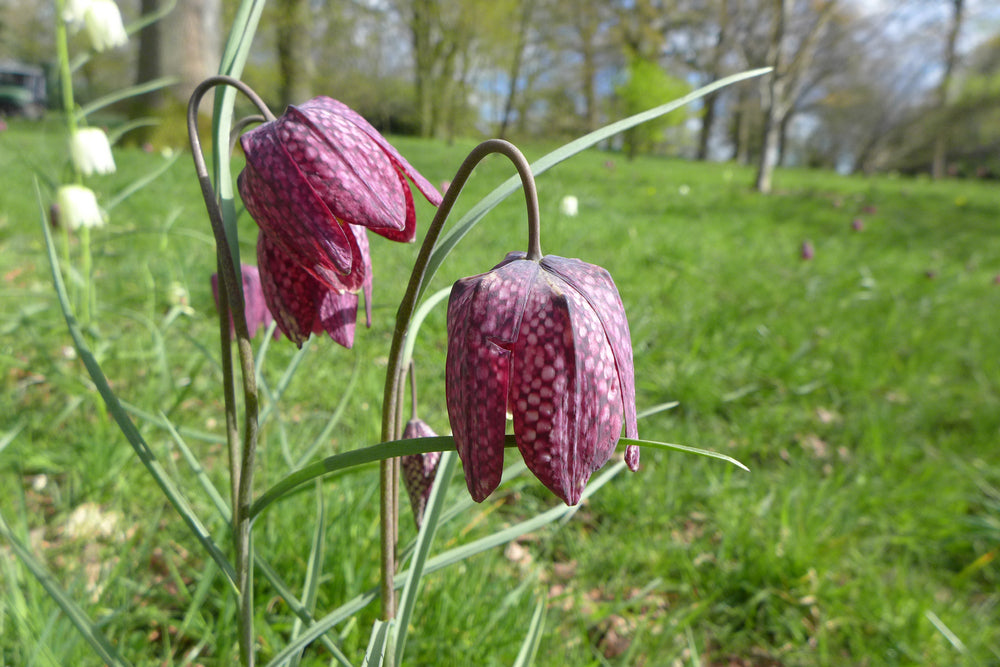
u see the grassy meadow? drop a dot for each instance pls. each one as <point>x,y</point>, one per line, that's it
<point>861,387</point>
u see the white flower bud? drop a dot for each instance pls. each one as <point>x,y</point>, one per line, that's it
<point>78,207</point>
<point>91,151</point>
<point>104,25</point>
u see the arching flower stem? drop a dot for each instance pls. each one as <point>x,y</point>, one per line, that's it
<point>393,396</point>
<point>231,300</point>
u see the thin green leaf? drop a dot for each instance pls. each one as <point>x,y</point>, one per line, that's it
<point>124,94</point>
<point>648,412</point>
<point>314,566</point>
<point>196,467</point>
<point>377,644</point>
<point>451,238</point>
<point>120,130</point>
<point>526,656</point>
<point>350,459</point>
<point>301,611</point>
<point>450,557</point>
<point>464,551</point>
<point>87,628</point>
<point>432,514</point>
<point>682,448</point>
<point>121,417</point>
<point>419,315</point>
<point>140,183</point>
<point>149,417</point>
<point>234,57</point>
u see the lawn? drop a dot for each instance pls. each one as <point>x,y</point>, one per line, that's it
<point>860,386</point>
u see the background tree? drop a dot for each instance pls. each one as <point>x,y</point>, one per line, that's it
<point>646,85</point>
<point>795,31</point>
<point>939,163</point>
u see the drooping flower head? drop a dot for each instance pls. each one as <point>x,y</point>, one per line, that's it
<point>419,470</point>
<point>91,151</point>
<point>548,342</point>
<point>318,169</point>
<point>315,180</point>
<point>78,207</point>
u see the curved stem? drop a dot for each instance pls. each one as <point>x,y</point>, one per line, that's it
<point>231,288</point>
<point>391,398</point>
<point>413,391</point>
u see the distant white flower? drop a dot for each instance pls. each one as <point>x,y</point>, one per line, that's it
<point>104,25</point>
<point>569,206</point>
<point>74,12</point>
<point>91,151</point>
<point>684,190</point>
<point>78,207</point>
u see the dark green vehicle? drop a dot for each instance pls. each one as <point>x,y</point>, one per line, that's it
<point>22,90</point>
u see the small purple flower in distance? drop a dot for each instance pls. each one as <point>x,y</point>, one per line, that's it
<point>318,170</point>
<point>303,305</point>
<point>419,469</point>
<point>807,251</point>
<point>256,310</point>
<point>858,225</point>
<point>548,342</point>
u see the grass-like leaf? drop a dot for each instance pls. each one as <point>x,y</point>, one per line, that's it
<point>378,643</point>
<point>682,448</point>
<point>87,628</point>
<point>432,514</point>
<point>124,94</point>
<point>526,656</point>
<point>121,417</point>
<point>450,239</point>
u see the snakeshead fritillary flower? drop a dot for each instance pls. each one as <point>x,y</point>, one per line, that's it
<point>548,342</point>
<point>303,305</point>
<point>419,469</point>
<point>315,172</point>
<point>255,308</point>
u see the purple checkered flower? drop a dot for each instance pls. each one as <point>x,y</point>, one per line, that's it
<point>315,180</point>
<point>547,342</point>
<point>303,305</point>
<point>319,169</point>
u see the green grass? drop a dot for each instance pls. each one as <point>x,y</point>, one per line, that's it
<point>861,388</point>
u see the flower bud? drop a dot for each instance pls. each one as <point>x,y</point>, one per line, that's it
<point>78,207</point>
<point>91,151</point>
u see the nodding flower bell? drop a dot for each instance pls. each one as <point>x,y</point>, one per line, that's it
<point>315,180</point>
<point>546,341</point>
<point>319,169</point>
<point>419,470</point>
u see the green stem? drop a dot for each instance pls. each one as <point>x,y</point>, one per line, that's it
<point>241,478</point>
<point>86,269</point>
<point>392,397</point>
<point>65,72</point>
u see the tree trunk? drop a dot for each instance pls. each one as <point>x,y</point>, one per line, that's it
<point>196,50</point>
<point>149,67</point>
<point>525,7</point>
<point>939,165</point>
<point>774,98</point>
